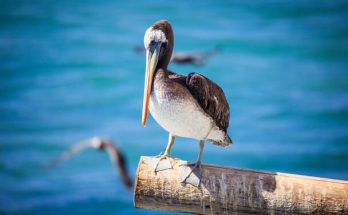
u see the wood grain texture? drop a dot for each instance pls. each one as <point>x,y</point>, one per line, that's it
<point>226,190</point>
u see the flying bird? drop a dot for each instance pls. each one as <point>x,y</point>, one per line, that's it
<point>193,58</point>
<point>189,106</point>
<point>116,156</point>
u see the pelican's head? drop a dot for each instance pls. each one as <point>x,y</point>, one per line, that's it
<point>158,42</point>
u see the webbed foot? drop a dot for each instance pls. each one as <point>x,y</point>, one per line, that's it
<point>159,163</point>
<point>191,173</point>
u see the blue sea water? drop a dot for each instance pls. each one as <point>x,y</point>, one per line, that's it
<point>68,71</point>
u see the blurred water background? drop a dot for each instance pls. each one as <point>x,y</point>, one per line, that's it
<point>68,71</point>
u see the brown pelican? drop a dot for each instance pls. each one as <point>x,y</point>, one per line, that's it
<point>189,106</point>
<point>115,155</point>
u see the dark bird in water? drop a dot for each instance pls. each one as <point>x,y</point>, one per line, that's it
<point>116,156</point>
<point>186,57</point>
<point>189,106</point>
<point>193,58</point>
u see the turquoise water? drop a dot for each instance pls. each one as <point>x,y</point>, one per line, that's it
<point>68,71</point>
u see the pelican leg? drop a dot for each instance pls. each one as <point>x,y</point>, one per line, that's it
<point>192,175</point>
<point>162,161</point>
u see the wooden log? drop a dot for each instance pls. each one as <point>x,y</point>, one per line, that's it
<point>225,190</point>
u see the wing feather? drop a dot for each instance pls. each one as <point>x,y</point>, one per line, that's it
<point>211,98</point>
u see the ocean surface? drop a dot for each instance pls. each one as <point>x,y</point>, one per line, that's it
<point>68,71</point>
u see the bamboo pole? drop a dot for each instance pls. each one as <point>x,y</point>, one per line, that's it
<point>225,190</point>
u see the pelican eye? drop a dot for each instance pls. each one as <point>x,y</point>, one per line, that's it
<point>163,48</point>
<point>152,45</point>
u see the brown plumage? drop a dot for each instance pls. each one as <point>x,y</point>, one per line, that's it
<point>211,98</point>
<point>166,48</point>
<point>189,106</point>
<point>208,94</point>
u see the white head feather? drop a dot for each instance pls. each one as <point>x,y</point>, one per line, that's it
<point>154,35</point>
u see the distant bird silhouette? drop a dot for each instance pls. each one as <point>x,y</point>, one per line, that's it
<point>116,156</point>
<point>187,57</point>
<point>193,58</point>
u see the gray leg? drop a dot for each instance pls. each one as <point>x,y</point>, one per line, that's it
<point>163,162</point>
<point>193,175</point>
<point>169,145</point>
<point>201,148</point>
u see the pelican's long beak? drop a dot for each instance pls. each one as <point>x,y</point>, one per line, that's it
<point>152,54</point>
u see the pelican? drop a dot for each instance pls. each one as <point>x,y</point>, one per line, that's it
<point>116,156</point>
<point>190,106</point>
